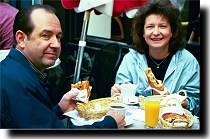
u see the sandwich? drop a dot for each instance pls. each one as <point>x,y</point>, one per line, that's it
<point>84,85</point>
<point>153,82</point>
<point>175,120</point>
<point>84,90</point>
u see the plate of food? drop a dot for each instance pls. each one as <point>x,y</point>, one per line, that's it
<point>175,117</point>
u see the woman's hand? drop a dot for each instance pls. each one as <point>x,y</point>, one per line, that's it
<point>67,103</point>
<point>119,118</point>
<point>115,90</point>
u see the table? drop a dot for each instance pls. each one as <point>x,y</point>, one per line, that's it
<point>141,125</point>
<point>137,119</point>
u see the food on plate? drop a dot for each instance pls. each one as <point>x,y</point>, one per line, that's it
<point>95,109</point>
<point>175,120</point>
<point>153,82</point>
<point>83,85</point>
<point>170,117</point>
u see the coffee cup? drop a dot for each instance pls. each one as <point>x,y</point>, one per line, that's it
<point>119,107</point>
<point>128,92</point>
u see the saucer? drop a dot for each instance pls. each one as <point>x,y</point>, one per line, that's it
<point>131,100</point>
<point>131,103</point>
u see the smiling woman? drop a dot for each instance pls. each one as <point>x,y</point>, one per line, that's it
<point>157,33</point>
<point>158,43</point>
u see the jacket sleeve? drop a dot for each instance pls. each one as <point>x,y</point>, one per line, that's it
<point>193,88</point>
<point>57,109</point>
<point>187,77</point>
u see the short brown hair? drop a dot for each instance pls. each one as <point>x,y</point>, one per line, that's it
<point>23,20</point>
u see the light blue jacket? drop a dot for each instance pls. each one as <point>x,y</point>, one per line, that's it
<point>183,73</point>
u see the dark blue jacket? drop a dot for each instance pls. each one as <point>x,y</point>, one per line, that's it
<point>24,99</point>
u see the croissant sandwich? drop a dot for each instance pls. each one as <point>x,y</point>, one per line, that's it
<point>84,85</point>
<point>174,120</point>
<point>153,82</point>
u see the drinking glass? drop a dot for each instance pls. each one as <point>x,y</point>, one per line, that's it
<point>152,109</point>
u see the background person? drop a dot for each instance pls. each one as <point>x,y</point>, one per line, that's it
<point>7,17</point>
<point>26,104</point>
<point>158,43</point>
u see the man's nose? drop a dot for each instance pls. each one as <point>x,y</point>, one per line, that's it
<point>55,42</point>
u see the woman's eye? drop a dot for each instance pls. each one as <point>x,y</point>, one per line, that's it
<point>149,27</point>
<point>163,26</point>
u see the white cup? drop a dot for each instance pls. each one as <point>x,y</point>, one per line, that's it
<point>119,107</point>
<point>128,92</point>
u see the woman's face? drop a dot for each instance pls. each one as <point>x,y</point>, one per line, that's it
<point>157,31</point>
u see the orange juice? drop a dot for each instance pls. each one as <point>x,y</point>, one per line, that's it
<point>152,108</point>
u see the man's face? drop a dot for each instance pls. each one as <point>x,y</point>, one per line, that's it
<point>43,46</point>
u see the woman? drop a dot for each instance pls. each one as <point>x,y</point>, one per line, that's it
<point>158,42</point>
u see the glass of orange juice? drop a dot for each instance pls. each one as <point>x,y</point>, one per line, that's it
<point>152,108</point>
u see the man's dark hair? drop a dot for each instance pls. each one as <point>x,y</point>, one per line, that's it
<point>170,12</point>
<point>23,20</point>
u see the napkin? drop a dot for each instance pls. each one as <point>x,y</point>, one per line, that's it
<point>82,95</point>
<point>77,120</point>
<point>137,113</point>
<point>165,91</point>
<point>173,109</point>
<point>173,98</point>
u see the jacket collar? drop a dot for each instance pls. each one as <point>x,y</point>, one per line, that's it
<point>21,58</point>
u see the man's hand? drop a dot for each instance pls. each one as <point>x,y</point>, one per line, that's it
<point>66,103</point>
<point>119,118</point>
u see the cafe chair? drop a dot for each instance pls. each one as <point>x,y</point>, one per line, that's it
<point>105,67</point>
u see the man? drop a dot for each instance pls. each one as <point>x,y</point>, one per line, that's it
<point>24,99</point>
